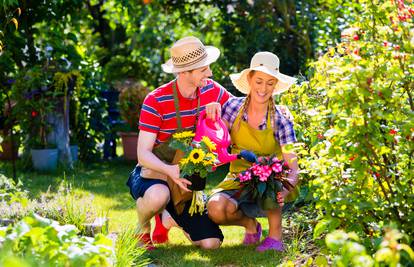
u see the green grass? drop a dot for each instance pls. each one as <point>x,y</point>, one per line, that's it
<point>102,186</point>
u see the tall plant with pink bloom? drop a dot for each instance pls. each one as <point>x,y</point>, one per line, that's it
<point>263,180</point>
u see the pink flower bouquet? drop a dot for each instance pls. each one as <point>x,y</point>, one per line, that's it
<point>263,180</point>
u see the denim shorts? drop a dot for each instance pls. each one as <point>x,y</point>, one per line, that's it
<point>198,226</point>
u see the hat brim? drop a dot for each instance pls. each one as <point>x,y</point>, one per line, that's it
<point>240,81</point>
<point>213,54</point>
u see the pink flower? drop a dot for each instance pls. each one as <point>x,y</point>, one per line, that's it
<point>276,160</point>
<point>246,176</point>
<point>263,172</point>
<point>277,167</point>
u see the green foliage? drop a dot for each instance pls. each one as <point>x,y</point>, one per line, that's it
<point>128,253</point>
<point>42,242</point>
<point>354,118</point>
<point>89,115</point>
<point>347,250</point>
<point>131,97</point>
<point>11,193</point>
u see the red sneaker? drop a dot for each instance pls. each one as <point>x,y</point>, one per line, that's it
<point>145,241</point>
<point>160,234</point>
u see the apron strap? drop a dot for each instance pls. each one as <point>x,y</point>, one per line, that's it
<point>177,106</point>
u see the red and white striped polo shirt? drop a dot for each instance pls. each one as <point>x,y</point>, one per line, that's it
<point>158,111</point>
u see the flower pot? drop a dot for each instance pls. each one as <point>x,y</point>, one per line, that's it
<point>44,159</point>
<point>198,183</point>
<point>129,143</point>
<point>268,203</point>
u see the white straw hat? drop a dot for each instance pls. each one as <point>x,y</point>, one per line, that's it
<point>268,63</point>
<point>189,53</point>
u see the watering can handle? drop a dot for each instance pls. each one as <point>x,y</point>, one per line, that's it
<point>212,124</point>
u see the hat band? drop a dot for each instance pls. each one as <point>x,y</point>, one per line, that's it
<point>262,65</point>
<point>191,63</point>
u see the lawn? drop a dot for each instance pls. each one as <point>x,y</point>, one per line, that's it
<point>101,186</point>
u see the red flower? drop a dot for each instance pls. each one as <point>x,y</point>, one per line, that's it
<point>34,113</point>
<point>392,132</point>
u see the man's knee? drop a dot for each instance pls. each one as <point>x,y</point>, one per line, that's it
<point>210,243</point>
<point>155,198</point>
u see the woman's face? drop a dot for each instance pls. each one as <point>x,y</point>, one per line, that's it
<point>261,87</point>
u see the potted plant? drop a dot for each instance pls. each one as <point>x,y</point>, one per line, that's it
<point>131,96</point>
<point>34,104</point>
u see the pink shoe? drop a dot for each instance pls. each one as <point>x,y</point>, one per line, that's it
<point>250,239</point>
<point>270,244</point>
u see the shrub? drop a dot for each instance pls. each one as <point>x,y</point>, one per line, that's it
<point>354,118</point>
<point>37,241</point>
<point>131,97</point>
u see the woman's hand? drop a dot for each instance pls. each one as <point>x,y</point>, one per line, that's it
<point>213,111</point>
<point>280,198</point>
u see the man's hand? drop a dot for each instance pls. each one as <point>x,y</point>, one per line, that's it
<point>213,111</point>
<point>173,171</point>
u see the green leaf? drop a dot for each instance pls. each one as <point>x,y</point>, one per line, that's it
<point>261,188</point>
<point>320,227</point>
<point>321,261</point>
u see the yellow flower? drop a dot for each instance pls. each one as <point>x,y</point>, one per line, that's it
<point>183,135</point>
<point>210,145</point>
<point>196,155</point>
<point>211,159</point>
<point>184,161</point>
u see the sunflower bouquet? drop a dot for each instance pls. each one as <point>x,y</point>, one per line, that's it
<point>198,156</point>
<point>197,162</point>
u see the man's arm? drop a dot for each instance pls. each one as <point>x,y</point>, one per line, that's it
<point>146,158</point>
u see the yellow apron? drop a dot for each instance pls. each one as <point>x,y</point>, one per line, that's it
<point>261,142</point>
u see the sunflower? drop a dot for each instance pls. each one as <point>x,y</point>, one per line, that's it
<point>210,145</point>
<point>196,155</point>
<point>183,135</point>
<point>209,159</point>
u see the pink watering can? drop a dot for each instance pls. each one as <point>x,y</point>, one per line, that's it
<point>218,133</point>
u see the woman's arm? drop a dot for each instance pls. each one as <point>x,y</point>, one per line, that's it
<point>292,161</point>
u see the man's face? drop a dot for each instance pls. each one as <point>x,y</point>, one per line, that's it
<point>198,76</point>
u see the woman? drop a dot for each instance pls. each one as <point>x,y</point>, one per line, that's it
<point>258,125</point>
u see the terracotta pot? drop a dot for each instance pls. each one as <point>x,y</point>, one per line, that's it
<point>129,143</point>
<point>198,183</point>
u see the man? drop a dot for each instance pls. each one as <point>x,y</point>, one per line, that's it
<point>170,108</point>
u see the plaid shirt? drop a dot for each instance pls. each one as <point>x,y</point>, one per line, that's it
<point>284,132</point>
